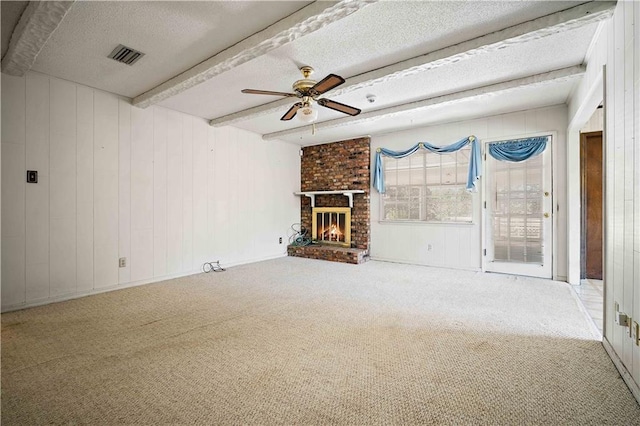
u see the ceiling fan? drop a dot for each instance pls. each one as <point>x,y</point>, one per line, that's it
<point>309,91</point>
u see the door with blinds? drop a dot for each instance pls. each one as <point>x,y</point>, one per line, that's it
<point>518,215</point>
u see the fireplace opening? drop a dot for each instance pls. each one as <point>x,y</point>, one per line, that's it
<point>332,225</point>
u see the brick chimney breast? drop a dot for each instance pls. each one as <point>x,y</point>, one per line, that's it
<point>343,165</point>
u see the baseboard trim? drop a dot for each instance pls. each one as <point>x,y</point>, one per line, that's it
<point>256,260</point>
<point>405,262</point>
<point>77,295</point>
<point>626,376</point>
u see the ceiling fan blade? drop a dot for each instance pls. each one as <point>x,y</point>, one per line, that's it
<point>326,84</point>
<point>346,109</point>
<point>267,92</point>
<point>292,111</point>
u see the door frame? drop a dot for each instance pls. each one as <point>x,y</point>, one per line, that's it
<point>554,206</point>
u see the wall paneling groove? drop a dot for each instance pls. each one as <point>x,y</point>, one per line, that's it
<point>161,188</point>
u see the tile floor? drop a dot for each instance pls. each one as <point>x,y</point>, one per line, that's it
<point>591,293</point>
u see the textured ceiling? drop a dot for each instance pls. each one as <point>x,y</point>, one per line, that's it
<point>467,109</point>
<point>11,11</point>
<point>551,53</point>
<point>176,36</point>
<point>381,34</point>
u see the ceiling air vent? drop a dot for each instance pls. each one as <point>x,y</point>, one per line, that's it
<point>126,55</point>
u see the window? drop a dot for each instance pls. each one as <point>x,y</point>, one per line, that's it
<point>427,187</point>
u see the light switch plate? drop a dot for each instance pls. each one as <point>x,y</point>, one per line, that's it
<point>32,176</point>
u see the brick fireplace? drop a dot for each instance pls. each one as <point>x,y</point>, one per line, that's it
<point>337,166</point>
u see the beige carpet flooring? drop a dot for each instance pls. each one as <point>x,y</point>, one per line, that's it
<point>296,341</point>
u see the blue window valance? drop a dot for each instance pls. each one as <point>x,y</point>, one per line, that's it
<point>475,160</point>
<point>517,150</point>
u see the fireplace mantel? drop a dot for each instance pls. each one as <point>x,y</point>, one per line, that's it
<point>347,193</point>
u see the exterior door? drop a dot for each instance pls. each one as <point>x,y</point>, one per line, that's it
<point>518,216</point>
<point>591,180</point>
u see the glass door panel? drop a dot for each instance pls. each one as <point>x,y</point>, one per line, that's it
<point>517,216</point>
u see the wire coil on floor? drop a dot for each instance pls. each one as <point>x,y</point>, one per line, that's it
<point>300,235</point>
<point>212,266</point>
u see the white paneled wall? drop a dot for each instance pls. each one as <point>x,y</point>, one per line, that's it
<point>124,189</point>
<point>160,192</point>
<point>459,245</point>
<point>201,224</point>
<point>174,188</point>
<point>62,187</point>
<point>161,188</point>
<point>142,223</point>
<point>84,187</point>
<point>622,190</point>
<point>187,191</point>
<point>37,196</point>
<point>616,48</point>
<point>105,189</point>
<point>13,192</point>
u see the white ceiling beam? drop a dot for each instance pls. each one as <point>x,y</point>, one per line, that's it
<point>37,23</point>
<point>558,22</point>
<point>557,76</point>
<point>305,21</point>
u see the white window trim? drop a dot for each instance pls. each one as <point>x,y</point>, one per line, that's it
<point>381,206</point>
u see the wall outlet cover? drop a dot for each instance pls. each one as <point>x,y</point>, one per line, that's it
<point>32,176</point>
<point>622,319</point>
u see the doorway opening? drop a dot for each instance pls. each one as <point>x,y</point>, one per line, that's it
<point>591,289</point>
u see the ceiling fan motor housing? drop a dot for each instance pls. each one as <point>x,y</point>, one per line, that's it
<point>303,86</point>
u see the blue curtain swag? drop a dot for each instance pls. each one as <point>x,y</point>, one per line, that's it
<point>518,150</point>
<point>475,160</point>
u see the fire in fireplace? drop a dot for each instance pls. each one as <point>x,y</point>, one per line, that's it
<point>332,225</point>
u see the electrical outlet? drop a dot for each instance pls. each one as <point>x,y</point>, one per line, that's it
<point>622,319</point>
<point>280,240</point>
<point>122,262</point>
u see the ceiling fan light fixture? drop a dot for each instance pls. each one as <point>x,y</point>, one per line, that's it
<point>307,114</point>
